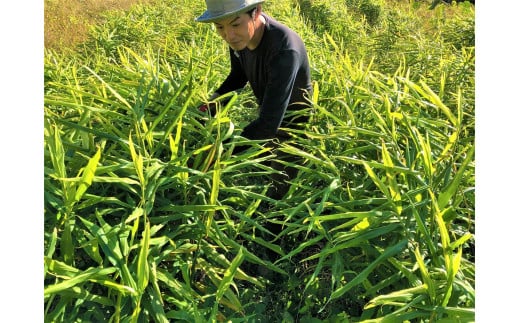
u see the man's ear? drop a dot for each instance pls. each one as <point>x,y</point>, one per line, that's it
<point>257,10</point>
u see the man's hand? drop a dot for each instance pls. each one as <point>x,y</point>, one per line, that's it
<point>203,108</point>
<point>210,107</point>
<point>206,110</point>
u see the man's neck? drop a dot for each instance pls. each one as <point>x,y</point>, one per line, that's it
<point>259,33</point>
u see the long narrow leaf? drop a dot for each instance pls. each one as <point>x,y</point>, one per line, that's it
<point>228,278</point>
<point>88,175</point>
<point>78,279</point>
<point>389,252</point>
<point>428,282</point>
<point>453,187</point>
<point>143,269</point>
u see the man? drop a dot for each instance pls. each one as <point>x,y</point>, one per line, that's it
<point>273,59</point>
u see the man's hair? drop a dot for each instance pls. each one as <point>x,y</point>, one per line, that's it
<point>250,12</point>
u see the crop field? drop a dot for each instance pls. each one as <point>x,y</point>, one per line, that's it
<point>148,217</point>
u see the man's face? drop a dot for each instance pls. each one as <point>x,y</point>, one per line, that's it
<point>237,31</point>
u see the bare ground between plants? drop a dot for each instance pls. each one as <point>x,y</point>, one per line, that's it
<point>66,23</point>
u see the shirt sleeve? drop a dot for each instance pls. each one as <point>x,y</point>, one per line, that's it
<point>283,68</point>
<point>236,79</point>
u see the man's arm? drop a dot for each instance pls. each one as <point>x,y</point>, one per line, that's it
<point>236,78</point>
<point>283,68</point>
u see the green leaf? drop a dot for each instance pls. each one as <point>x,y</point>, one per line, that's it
<point>426,276</point>
<point>82,294</point>
<point>143,270</point>
<point>66,243</point>
<point>452,271</point>
<point>389,252</point>
<point>138,161</point>
<point>112,90</point>
<point>446,195</point>
<point>403,295</point>
<point>459,242</point>
<point>379,183</point>
<point>228,278</point>
<point>52,243</point>
<point>434,98</point>
<point>88,175</point>
<point>78,279</point>
<point>108,241</point>
<point>59,268</point>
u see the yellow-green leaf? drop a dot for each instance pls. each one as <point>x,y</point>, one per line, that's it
<point>88,175</point>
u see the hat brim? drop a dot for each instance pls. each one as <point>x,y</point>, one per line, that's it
<point>208,16</point>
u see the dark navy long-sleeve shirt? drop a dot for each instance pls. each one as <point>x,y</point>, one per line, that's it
<point>279,74</point>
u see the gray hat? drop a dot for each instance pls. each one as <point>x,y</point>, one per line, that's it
<point>219,9</point>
